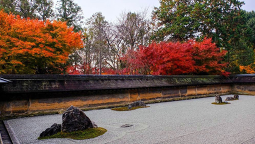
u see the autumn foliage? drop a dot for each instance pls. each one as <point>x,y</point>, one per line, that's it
<point>87,69</point>
<point>208,58</point>
<point>33,46</point>
<point>247,69</point>
<point>169,58</point>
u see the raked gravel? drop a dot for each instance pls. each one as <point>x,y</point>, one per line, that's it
<point>195,121</point>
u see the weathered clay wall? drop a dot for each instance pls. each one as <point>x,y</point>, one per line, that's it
<point>248,88</point>
<point>33,93</point>
<point>243,84</point>
<point>46,102</point>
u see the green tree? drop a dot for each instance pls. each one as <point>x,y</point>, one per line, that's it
<point>9,6</point>
<point>44,9</point>
<point>41,9</point>
<point>246,58</point>
<point>251,27</point>
<point>221,20</point>
<point>174,20</point>
<point>71,13</point>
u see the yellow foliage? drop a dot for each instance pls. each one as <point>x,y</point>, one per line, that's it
<point>249,69</point>
<point>15,62</point>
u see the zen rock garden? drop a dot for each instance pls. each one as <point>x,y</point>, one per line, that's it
<point>177,122</point>
<point>73,120</point>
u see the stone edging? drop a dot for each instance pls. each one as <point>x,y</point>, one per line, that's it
<point>14,139</point>
<point>1,141</point>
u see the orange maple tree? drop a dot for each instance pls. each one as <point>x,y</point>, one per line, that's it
<point>30,46</point>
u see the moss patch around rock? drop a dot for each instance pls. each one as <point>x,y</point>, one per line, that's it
<point>233,99</point>
<point>223,103</point>
<point>78,135</point>
<point>126,108</point>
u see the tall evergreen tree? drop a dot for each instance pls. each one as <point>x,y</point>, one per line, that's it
<point>221,20</point>
<point>9,6</point>
<point>71,13</point>
<point>40,9</point>
<point>248,65</point>
<point>251,26</point>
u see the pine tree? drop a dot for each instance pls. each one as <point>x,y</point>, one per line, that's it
<point>71,13</point>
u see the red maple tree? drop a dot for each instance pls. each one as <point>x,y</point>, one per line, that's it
<point>208,57</point>
<point>169,58</point>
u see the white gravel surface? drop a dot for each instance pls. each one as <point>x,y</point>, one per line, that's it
<point>194,121</point>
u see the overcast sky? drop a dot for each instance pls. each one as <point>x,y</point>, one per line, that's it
<point>112,9</point>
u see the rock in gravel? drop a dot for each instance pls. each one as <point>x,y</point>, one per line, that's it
<point>136,104</point>
<point>236,96</point>
<point>74,120</point>
<point>218,99</point>
<point>126,125</point>
<point>229,98</point>
<point>55,128</point>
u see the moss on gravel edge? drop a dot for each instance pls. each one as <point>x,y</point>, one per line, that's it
<point>223,103</point>
<point>78,135</point>
<point>126,108</point>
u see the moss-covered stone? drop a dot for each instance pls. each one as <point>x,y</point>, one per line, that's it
<point>78,135</point>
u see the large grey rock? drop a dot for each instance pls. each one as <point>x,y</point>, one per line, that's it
<point>218,99</point>
<point>229,98</point>
<point>55,128</point>
<point>236,97</point>
<point>136,104</point>
<point>74,120</point>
